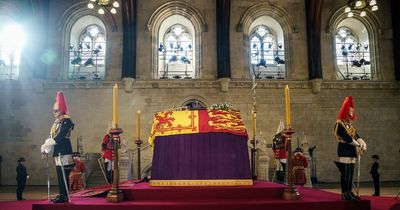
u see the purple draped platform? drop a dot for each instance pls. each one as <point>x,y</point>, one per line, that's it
<point>201,156</point>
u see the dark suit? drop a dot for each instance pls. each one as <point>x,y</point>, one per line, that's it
<point>375,177</point>
<point>21,180</point>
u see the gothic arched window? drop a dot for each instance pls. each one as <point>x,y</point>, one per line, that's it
<point>267,54</point>
<point>352,54</point>
<point>87,51</point>
<point>175,53</point>
<point>11,42</point>
<point>194,104</point>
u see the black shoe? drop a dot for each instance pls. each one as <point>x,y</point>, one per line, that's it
<point>55,198</point>
<point>21,199</point>
<point>60,199</point>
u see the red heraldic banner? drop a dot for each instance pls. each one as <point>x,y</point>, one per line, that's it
<point>169,122</point>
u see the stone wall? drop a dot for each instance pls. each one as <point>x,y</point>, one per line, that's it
<point>26,117</point>
<point>26,105</point>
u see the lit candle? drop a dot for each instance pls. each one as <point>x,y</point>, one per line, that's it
<point>138,124</point>
<point>287,102</point>
<point>115,111</point>
<point>253,122</point>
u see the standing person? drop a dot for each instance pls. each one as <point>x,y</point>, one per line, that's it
<point>299,162</point>
<point>107,150</point>
<point>76,175</point>
<point>375,174</point>
<point>279,149</point>
<point>349,146</point>
<point>62,150</point>
<point>22,176</point>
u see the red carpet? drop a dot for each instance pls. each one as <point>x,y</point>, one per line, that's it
<point>383,203</point>
<point>18,205</point>
<point>263,195</point>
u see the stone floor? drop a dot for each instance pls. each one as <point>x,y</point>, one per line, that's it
<point>7,193</point>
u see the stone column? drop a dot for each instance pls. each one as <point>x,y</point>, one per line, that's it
<point>395,5</point>
<point>129,18</point>
<point>223,8</point>
<point>314,13</point>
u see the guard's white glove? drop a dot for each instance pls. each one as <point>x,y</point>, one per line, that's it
<point>48,145</point>
<point>27,177</point>
<point>355,143</point>
<point>363,146</point>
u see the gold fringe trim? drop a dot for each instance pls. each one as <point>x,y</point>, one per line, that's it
<point>351,131</point>
<point>205,182</point>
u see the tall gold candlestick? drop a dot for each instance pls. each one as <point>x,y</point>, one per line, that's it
<point>115,104</point>
<point>138,124</point>
<point>287,102</point>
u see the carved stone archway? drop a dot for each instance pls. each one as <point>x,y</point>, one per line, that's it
<point>187,11</point>
<point>67,21</point>
<point>277,13</point>
<point>373,27</point>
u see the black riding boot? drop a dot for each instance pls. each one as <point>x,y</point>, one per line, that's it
<point>345,192</point>
<point>350,185</point>
<point>343,182</point>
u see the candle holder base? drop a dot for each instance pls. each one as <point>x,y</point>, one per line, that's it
<point>115,196</point>
<point>138,143</point>
<point>290,194</point>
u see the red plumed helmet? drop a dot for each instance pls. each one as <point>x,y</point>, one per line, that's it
<point>344,112</point>
<point>61,103</point>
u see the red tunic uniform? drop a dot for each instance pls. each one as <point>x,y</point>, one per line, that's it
<point>299,164</point>
<point>279,147</point>
<point>106,147</point>
<point>76,177</point>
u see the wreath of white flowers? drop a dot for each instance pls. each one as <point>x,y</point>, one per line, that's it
<point>224,106</point>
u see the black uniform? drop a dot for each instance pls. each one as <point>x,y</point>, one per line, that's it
<point>345,134</point>
<point>21,180</point>
<point>375,177</point>
<point>61,132</point>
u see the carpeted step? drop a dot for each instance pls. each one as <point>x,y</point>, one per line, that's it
<point>236,204</point>
<point>260,196</point>
<point>260,190</point>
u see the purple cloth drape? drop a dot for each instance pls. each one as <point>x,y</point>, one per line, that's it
<point>201,156</point>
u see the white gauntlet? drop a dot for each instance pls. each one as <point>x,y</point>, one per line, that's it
<point>362,148</point>
<point>355,143</point>
<point>363,145</point>
<point>48,146</point>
